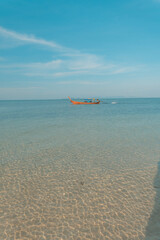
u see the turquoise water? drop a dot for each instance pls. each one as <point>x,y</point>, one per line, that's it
<point>66,168</point>
<point>129,131</point>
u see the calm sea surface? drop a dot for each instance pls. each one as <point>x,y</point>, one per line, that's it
<point>64,165</point>
<point>122,135</point>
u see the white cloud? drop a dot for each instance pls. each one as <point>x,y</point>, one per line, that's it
<point>119,70</point>
<point>25,39</point>
<point>55,64</point>
<point>56,74</point>
<point>69,61</point>
<point>28,39</point>
<point>63,68</point>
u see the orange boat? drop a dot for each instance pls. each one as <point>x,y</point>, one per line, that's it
<point>85,102</point>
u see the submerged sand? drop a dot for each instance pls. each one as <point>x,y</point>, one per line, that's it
<point>56,201</point>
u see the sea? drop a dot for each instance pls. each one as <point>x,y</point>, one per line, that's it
<point>79,172</point>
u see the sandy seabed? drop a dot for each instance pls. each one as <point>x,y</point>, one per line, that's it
<point>58,201</point>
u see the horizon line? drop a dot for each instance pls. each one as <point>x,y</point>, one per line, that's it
<point>66,98</point>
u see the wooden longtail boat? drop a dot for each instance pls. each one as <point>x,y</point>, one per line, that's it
<point>85,102</point>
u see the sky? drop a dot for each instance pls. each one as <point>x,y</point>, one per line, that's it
<point>80,48</point>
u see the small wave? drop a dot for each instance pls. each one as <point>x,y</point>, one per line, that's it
<point>113,102</point>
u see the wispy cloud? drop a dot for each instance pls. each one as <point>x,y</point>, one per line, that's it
<point>119,70</point>
<point>69,61</point>
<point>29,39</point>
<point>26,39</point>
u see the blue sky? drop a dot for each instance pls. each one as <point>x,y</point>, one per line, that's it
<point>106,48</point>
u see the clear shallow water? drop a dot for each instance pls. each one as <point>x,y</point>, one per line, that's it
<point>79,164</point>
<point>124,130</point>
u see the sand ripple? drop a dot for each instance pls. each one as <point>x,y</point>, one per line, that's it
<point>48,201</point>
